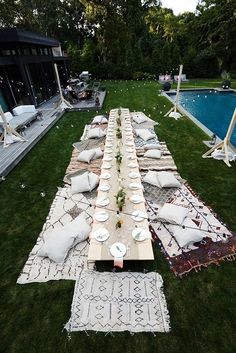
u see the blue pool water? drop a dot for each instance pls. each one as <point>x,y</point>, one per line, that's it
<point>213,109</point>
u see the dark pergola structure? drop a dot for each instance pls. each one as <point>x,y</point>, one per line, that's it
<point>27,74</point>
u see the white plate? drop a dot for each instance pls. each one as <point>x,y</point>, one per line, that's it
<point>130,150</point>
<point>131,144</point>
<point>118,250</point>
<point>106,166</point>
<point>105,176</point>
<point>101,216</point>
<point>131,157</point>
<point>133,165</point>
<point>104,187</point>
<point>134,175</point>
<point>110,138</point>
<point>107,158</point>
<point>139,216</point>
<point>140,234</point>
<point>108,150</point>
<point>135,186</point>
<point>136,199</point>
<point>101,234</point>
<point>109,144</point>
<point>102,201</point>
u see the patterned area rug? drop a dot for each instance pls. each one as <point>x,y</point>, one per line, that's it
<point>127,301</point>
<point>164,163</point>
<point>218,243</point>
<point>64,208</point>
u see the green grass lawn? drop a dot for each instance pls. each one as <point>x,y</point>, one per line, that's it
<point>202,305</point>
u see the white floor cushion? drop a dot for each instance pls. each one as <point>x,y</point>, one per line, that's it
<point>86,156</point>
<point>98,153</point>
<point>172,213</point>
<point>99,119</point>
<point>153,154</point>
<point>168,180</point>
<point>145,134</point>
<point>139,119</point>
<point>188,235</point>
<point>95,133</point>
<point>152,146</point>
<point>80,183</point>
<point>93,180</point>
<point>60,241</point>
<point>151,178</point>
<point>82,227</point>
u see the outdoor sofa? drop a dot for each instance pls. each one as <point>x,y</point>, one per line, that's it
<point>21,116</point>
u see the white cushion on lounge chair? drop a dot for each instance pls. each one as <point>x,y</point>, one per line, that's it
<point>60,241</point>
<point>152,146</point>
<point>220,155</point>
<point>151,178</point>
<point>168,180</point>
<point>86,156</point>
<point>186,236</point>
<point>145,134</point>
<point>95,133</point>
<point>93,180</point>
<point>99,119</point>
<point>172,213</point>
<point>24,109</point>
<point>8,116</point>
<point>153,154</point>
<point>80,183</point>
<point>139,119</point>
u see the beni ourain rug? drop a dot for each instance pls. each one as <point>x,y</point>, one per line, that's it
<point>111,302</point>
<point>64,208</point>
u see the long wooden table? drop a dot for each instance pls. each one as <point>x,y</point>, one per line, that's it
<point>136,250</point>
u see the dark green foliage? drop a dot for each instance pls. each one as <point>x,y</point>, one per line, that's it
<point>117,39</point>
<point>202,305</point>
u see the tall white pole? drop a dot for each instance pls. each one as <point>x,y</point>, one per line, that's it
<point>64,103</point>
<point>58,82</point>
<point>178,87</point>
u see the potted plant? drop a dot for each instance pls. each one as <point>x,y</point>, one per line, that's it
<point>226,80</point>
<point>118,158</point>
<point>120,198</point>
<point>118,133</point>
<point>119,223</point>
<point>118,120</point>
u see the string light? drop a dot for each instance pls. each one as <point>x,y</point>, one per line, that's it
<point>152,221</point>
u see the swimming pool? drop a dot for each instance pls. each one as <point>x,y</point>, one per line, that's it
<point>212,108</point>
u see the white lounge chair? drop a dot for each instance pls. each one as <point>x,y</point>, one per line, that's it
<point>165,78</point>
<point>183,78</point>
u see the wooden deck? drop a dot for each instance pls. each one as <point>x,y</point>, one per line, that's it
<point>90,103</point>
<point>13,154</point>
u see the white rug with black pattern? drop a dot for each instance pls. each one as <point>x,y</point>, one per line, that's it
<point>125,301</point>
<point>65,208</point>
